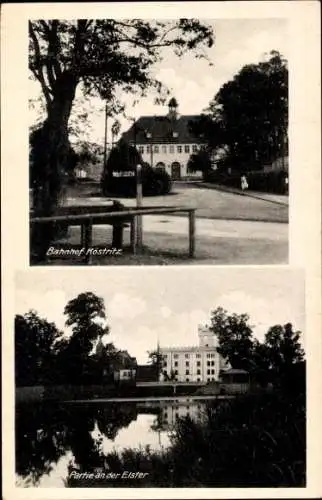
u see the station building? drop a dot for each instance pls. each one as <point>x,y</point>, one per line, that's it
<point>166,142</point>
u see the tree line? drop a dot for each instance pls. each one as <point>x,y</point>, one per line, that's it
<point>45,355</point>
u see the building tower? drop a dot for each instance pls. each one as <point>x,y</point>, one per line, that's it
<point>206,336</point>
<point>173,109</point>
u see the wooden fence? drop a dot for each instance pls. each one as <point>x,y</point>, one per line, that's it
<point>118,219</point>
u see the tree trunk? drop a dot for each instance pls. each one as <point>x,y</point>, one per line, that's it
<point>50,165</point>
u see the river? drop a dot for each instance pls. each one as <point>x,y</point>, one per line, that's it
<point>52,439</point>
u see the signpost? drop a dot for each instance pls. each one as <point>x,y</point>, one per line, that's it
<point>139,205</point>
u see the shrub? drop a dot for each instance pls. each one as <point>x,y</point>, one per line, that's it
<point>125,158</point>
<point>268,182</point>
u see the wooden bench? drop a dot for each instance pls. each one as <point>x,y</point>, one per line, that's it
<point>130,215</point>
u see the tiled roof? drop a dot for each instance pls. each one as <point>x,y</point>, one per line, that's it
<point>163,129</point>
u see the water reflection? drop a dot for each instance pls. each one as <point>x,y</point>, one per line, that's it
<point>50,440</point>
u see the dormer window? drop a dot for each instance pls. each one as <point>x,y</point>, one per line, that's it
<point>148,135</point>
<point>175,134</point>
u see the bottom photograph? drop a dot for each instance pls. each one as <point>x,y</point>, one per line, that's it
<point>160,377</point>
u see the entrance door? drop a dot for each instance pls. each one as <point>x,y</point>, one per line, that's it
<point>176,170</point>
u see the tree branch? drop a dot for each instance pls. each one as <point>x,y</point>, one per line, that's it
<point>39,74</point>
<point>52,55</point>
<point>82,25</point>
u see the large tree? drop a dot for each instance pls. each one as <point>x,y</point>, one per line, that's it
<point>100,57</point>
<point>86,316</point>
<point>235,337</point>
<point>35,348</point>
<point>277,359</point>
<point>249,114</point>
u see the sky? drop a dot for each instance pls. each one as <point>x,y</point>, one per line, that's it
<point>146,305</point>
<point>193,82</point>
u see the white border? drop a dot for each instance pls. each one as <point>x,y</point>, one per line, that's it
<point>305,204</point>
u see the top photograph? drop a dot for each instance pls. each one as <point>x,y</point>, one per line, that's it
<point>158,142</point>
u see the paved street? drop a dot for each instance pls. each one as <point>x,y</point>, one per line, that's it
<point>210,203</point>
<point>230,229</point>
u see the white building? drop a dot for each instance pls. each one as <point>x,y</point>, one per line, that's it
<point>166,141</point>
<point>124,374</point>
<point>194,363</point>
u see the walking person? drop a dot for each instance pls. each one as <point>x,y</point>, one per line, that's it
<point>243,183</point>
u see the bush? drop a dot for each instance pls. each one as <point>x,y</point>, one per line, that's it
<point>125,158</point>
<point>268,182</point>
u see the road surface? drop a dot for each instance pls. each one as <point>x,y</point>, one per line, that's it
<point>230,229</point>
<point>210,203</point>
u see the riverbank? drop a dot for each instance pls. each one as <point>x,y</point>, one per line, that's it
<point>100,393</point>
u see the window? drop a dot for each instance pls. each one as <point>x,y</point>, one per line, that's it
<point>198,379</point>
<point>187,148</point>
<point>148,149</point>
<point>208,372</point>
<point>198,372</point>
<point>212,355</point>
<point>165,364</point>
<point>175,356</point>
<point>176,372</point>
<point>212,363</point>
<point>176,363</point>
<point>187,372</point>
<point>212,372</point>
<point>208,355</point>
<point>208,379</point>
<point>198,363</point>
<point>179,149</point>
<point>186,355</point>
<point>187,379</point>
<point>208,363</point>
<point>156,149</point>
<point>194,148</point>
<point>171,149</point>
<point>198,355</point>
<point>141,149</point>
<point>164,149</point>
<point>187,363</point>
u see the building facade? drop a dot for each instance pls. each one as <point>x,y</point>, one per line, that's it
<point>200,363</point>
<point>166,142</point>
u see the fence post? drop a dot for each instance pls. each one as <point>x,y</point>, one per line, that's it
<point>133,234</point>
<point>82,240</point>
<point>139,205</point>
<point>192,232</point>
<point>117,238</point>
<point>88,238</point>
